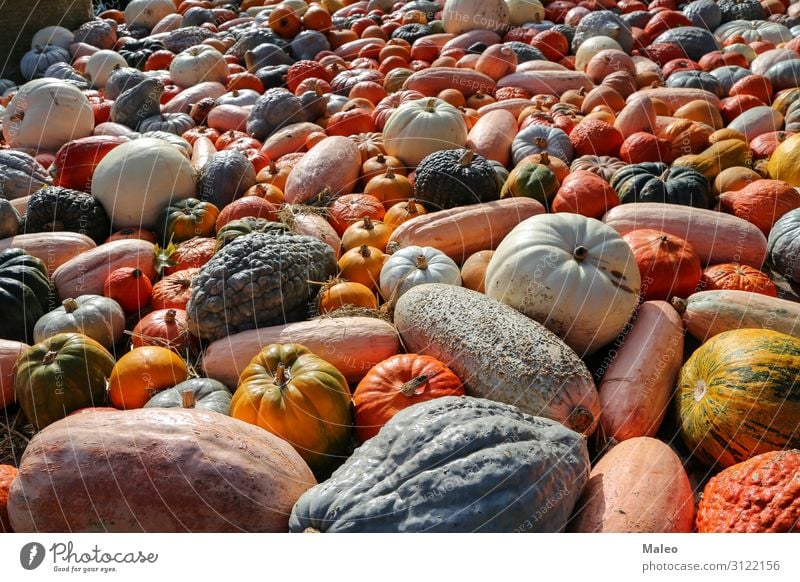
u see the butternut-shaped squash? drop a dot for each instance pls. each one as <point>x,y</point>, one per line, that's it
<point>547,82</point>
<point>677,97</point>
<point>719,156</point>
<point>334,163</point>
<point>492,135</point>
<point>53,248</point>
<point>431,82</point>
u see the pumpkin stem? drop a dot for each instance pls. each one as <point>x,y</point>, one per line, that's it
<point>169,316</point>
<point>380,159</point>
<point>430,106</point>
<point>409,388</point>
<point>188,399</point>
<point>411,206</point>
<point>364,251</point>
<point>389,175</point>
<point>580,419</point>
<point>311,530</point>
<point>281,378</point>
<point>421,262</point>
<point>582,91</point>
<point>366,224</point>
<point>49,357</point>
<point>544,159</point>
<point>540,142</point>
<point>580,253</point>
<point>466,158</point>
<point>70,305</point>
<point>679,304</point>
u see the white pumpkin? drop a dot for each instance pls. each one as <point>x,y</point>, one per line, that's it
<point>56,35</point>
<point>412,266</point>
<point>98,317</point>
<point>575,275</point>
<point>590,47</point>
<point>198,64</point>
<point>524,11</point>
<point>422,127</point>
<point>137,180</point>
<point>148,12</point>
<point>460,16</point>
<point>100,66</point>
<point>45,114</point>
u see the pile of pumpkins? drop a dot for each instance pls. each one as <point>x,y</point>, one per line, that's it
<point>386,266</point>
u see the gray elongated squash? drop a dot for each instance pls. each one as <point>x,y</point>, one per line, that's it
<point>499,353</point>
<point>453,464</point>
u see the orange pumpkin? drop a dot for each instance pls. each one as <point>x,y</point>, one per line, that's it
<point>736,277</point>
<point>556,165</point>
<point>761,203</point>
<point>403,212</point>
<point>362,265</point>
<point>133,233</point>
<point>339,293</point>
<point>248,206</point>
<point>7,474</point>
<point>735,178</point>
<point>274,174</point>
<point>595,137</point>
<point>129,287</point>
<point>586,193</point>
<point>366,231</point>
<point>194,252</point>
<point>453,96</point>
<point>350,208</point>
<point>285,22</point>
<point>668,265</point>
<point>350,122</point>
<point>390,188</point>
<point>378,165</point>
<point>642,147</point>
<point>141,373</point>
<point>473,271</point>
<point>173,291</point>
<point>397,383</point>
<point>268,192</point>
<point>167,328</point>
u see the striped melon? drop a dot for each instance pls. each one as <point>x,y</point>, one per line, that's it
<point>738,396</point>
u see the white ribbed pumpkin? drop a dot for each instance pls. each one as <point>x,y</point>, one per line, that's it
<point>148,12</point>
<point>100,66</point>
<point>137,180</point>
<point>575,275</point>
<point>412,266</point>
<point>198,64</point>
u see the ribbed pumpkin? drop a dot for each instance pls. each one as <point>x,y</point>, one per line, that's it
<point>656,182</point>
<point>167,328</point>
<point>173,291</point>
<point>759,495</point>
<point>736,277</point>
<point>532,181</point>
<point>141,373</point>
<point>669,266</point>
<point>362,265</point>
<point>738,396</point>
<point>300,397</point>
<point>60,375</point>
<point>586,193</point>
<point>24,290</point>
<point>185,219</point>
<point>397,383</point>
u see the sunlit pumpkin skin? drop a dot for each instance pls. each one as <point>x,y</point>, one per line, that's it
<point>7,475</point>
<point>362,265</point>
<point>397,383</point>
<point>197,393</point>
<point>340,293</point>
<point>185,219</point>
<point>657,182</point>
<point>390,188</point>
<point>532,181</point>
<point>193,253</point>
<point>350,208</point>
<point>669,266</point>
<point>173,291</point>
<point>473,271</point>
<point>301,398</point>
<point>736,277</point>
<point>760,495</point>
<point>586,193</point>
<point>366,231</point>
<point>129,287</point>
<point>167,328</point>
<point>141,373</point>
<point>738,396</point>
<point>60,375</point>
<point>761,202</point>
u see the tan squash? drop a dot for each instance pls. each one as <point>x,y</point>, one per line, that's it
<point>352,344</point>
<point>53,248</point>
<point>288,140</point>
<point>701,111</point>
<point>333,163</point>
<point>547,82</point>
<point>460,232</point>
<point>677,97</point>
<point>473,271</point>
<point>724,154</point>
<point>734,179</point>
<point>491,137</point>
<point>431,82</point>
<point>636,116</point>
<point>86,273</point>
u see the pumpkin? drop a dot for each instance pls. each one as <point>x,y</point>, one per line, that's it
<point>257,280</point>
<point>227,175</point>
<point>390,188</point>
<point>397,383</point>
<point>99,318</point>
<point>185,219</point>
<point>45,114</point>
<point>762,202</point>
<point>129,287</point>
<point>492,136</point>
<point>548,253</point>
<point>656,182</point>
<point>172,123</point>
<point>76,160</point>
<point>473,271</point>
<point>137,180</point>
<point>100,66</point>
<point>298,396</point>
<point>141,373</point>
<point>537,139</point>
<point>189,254</point>
<point>20,174</point>
<point>516,464</point>
<point>644,147</point>
<point>532,181</point>
<point>338,293</point>
<point>197,393</point>
<point>412,266</point>
<point>711,161</point>
<point>728,503</point>
<point>246,225</point>
<point>403,212</point>
<point>639,486</point>
<point>603,166</point>
<point>784,244</point>
<point>668,265</point>
<point>136,469</point>
<point>737,396</point>
<point>9,353</point>
<point>174,290</point>
<point>583,192</point>
<point>350,208</point>
<point>24,292</point>
<point>167,328</point>
<point>7,474</point>
<point>428,317</point>
<point>419,128</point>
<point>362,265</point>
<point>53,208</point>
<point>198,63</point>
<point>333,163</point>
<point>732,179</point>
<point>450,178</point>
<point>138,103</point>
<point>61,374</point>
<point>366,231</point>
<point>36,62</point>
<point>491,15</point>
<point>148,13</point>
<point>733,276</point>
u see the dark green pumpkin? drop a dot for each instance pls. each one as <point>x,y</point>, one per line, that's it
<point>656,182</point>
<point>53,209</point>
<point>453,464</point>
<point>185,219</point>
<point>200,393</point>
<point>247,225</point>
<point>531,180</point>
<point>451,178</point>
<point>24,294</point>
<point>138,103</point>
<point>61,375</point>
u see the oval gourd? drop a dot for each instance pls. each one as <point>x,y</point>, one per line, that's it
<point>352,344</point>
<point>100,318</point>
<point>547,82</point>
<point>677,97</point>
<point>738,396</point>
<point>505,468</point>
<point>499,353</point>
<point>709,313</point>
<point>492,135</point>
<point>430,82</point>
<point>333,163</point>
<point>140,471</point>
<point>639,486</point>
<point>716,237</point>
<point>52,248</point>
<point>637,385</point>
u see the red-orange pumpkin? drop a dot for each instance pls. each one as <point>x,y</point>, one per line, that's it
<point>736,277</point>
<point>129,287</point>
<point>669,266</point>
<point>761,203</point>
<point>194,252</point>
<point>595,137</point>
<point>398,383</point>
<point>248,206</point>
<point>7,474</point>
<point>173,291</point>
<point>645,147</point>
<point>350,208</point>
<point>586,193</point>
<point>168,328</point>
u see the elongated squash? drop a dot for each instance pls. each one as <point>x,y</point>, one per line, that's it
<point>709,313</point>
<point>431,82</point>
<point>728,153</point>
<point>738,396</point>
<point>639,486</point>
<point>9,352</point>
<point>492,135</point>
<point>53,248</point>
<point>499,353</point>
<point>352,344</point>
<point>715,236</point>
<point>460,232</point>
<point>289,139</point>
<point>677,97</point>
<point>637,385</point>
<point>333,163</point>
<point>547,82</point>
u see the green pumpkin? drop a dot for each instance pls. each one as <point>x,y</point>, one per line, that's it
<point>199,393</point>
<point>656,182</point>
<point>531,180</point>
<point>185,219</point>
<point>61,375</point>
<point>458,177</point>
<point>24,294</point>
<point>247,225</point>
